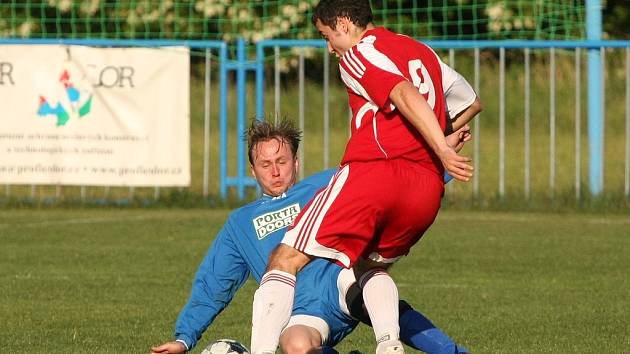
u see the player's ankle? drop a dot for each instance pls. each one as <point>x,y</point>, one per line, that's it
<point>390,346</point>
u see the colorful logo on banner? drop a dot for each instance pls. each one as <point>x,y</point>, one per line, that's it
<point>80,103</point>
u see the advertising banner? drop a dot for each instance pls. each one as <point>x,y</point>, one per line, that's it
<point>76,115</point>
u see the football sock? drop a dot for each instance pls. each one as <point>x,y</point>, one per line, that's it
<point>381,300</point>
<point>393,346</point>
<point>273,302</point>
<point>419,333</point>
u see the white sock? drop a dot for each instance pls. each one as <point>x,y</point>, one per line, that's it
<point>390,347</point>
<point>273,302</point>
<point>381,300</point>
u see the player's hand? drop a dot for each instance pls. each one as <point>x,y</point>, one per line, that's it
<point>459,167</point>
<point>169,348</point>
<point>457,139</point>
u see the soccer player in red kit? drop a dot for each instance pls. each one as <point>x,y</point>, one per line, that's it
<point>388,189</point>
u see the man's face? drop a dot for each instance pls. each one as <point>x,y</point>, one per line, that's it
<point>274,166</point>
<point>338,39</point>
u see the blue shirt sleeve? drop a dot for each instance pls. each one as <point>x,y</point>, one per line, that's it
<point>221,273</point>
<point>447,177</point>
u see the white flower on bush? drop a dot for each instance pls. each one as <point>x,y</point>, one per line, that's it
<point>244,15</point>
<point>25,29</point>
<point>90,7</point>
<point>211,8</point>
<point>304,6</point>
<point>495,11</point>
<point>289,10</point>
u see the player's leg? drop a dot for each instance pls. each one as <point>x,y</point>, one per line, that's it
<point>414,203</point>
<point>416,330</point>
<point>300,339</point>
<point>273,301</point>
<point>319,320</point>
<point>305,334</point>
<point>380,295</point>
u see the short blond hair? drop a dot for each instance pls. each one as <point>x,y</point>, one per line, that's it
<point>261,130</point>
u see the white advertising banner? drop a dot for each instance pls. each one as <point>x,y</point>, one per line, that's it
<point>77,115</point>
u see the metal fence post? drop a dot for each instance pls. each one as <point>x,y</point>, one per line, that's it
<point>595,126</point>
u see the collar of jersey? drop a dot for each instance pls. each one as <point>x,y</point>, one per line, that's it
<point>269,197</point>
<point>373,30</point>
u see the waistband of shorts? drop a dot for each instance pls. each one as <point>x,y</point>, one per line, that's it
<point>419,164</point>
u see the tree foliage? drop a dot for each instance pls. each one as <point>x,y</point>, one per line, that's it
<point>263,19</point>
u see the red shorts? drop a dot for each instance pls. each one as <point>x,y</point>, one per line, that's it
<point>376,210</point>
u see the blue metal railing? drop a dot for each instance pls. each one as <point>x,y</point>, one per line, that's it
<point>595,106</point>
<point>241,65</point>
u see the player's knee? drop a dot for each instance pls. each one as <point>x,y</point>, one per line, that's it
<point>287,259</point>
<point>366,267</point>
<point>297,344</point>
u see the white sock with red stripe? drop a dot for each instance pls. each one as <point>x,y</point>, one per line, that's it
<point>273,302</point>
<point>381,300</point>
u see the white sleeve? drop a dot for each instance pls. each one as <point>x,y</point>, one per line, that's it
<point>458,93</point>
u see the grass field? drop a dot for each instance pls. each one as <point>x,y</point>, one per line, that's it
<point>114,280</point>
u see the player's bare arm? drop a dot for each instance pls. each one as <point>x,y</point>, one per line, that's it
<point>467,115</point>
<point>415,108</point>
<point>169,348</point>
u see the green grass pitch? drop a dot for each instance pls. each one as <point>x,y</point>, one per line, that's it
<point>114,280</point>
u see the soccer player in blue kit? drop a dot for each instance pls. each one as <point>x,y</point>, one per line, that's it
<point>327,303</point>
<point>320,315</point>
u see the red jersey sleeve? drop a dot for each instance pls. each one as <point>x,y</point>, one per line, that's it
<point>370,73</point>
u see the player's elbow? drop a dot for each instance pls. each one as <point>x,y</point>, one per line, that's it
<point>477,106</point>
<point>403,93</point>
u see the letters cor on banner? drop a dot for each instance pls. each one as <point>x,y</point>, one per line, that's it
<point>76,115</point>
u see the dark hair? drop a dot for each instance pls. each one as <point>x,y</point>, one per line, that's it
<point>283,130</point>
<point>357,11</point>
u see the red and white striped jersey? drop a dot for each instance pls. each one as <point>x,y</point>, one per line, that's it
<point>370,70</point>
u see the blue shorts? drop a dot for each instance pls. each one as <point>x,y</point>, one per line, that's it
<point>317,294</point>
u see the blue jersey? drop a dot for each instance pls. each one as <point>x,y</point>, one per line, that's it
<point>242,248</point>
